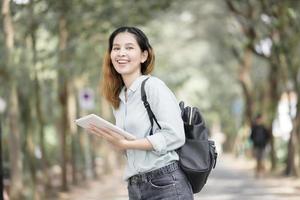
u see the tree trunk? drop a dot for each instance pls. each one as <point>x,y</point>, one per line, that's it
<point>291,168</point>
<point>73,131</point>
<point>28,146</point>
<point>273,103</point>
<point>64,128</point>
<point>30,154</point>
<point>297,131</point>
<point>7,25</point>
<point>63,98</point>
<point>16,166</point>
<point>290,164</point>
<point>296,127</point>
<point>74,156</point>
<point>37,91</point>
<point>79,139</point>
<point>245,81</point>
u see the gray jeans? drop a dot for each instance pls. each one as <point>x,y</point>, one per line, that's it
<point>166,183</point>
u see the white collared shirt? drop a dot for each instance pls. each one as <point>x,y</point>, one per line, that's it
<point>132,117</point>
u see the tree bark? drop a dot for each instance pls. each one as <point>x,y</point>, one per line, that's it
<point>63,98</point>
<point>16,166</point>
<point>245,81</point>
<point>30,154</point>
<point>296,123</point>
<point>73,131</point>
<point>7,25</point>
<point>38,101</point>
<point>64,126</point>
<point>290,164</point>
<point>13,110</point>
<point>273,104</point>
<point>291,168</point>
<point>296,126</point>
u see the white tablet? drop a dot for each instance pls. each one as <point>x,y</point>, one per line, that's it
<point>100,122</point>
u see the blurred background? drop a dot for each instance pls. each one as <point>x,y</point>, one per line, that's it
<point>230,58</point>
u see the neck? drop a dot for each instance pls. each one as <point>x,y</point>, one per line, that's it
<point>129,78</point>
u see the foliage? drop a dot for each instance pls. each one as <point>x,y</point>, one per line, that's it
<point>198,47</point>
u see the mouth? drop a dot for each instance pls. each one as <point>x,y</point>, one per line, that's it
<point>122,61</point>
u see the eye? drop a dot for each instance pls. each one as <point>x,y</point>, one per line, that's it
<point>116,48</point>
<point>129,48</point>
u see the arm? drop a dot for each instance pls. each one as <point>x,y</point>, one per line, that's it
<point>166,109</point>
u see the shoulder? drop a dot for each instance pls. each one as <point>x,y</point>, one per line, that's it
<point>155,88</point>
<point>155,83</point>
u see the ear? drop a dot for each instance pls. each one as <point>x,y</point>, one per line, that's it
<point>144,56</point>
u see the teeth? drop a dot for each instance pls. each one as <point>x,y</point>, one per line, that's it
<point>122,61</point>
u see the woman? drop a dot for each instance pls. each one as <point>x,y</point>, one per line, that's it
<point>152,169</point>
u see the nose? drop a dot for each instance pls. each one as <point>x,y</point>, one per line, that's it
<point>122,52</point>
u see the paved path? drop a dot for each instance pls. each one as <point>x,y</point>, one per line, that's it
<point>231,180</point>
<point>234,180</point>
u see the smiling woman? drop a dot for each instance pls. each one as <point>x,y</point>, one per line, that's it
<point>126,55</point>
<point>152,169</point>
<point>112,80</point>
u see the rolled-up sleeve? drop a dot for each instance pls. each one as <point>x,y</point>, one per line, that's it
<point>166,109</point>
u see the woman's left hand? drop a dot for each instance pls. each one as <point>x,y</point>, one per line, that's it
<point>112,137</point>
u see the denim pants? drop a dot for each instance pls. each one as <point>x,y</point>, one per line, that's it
<point>166,183</point>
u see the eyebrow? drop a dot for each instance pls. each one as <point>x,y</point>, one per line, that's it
<point>125,44</point>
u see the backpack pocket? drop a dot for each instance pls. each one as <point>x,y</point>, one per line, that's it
<point>196,161</point>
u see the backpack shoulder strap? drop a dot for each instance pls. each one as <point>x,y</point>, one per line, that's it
<point>147,106</point>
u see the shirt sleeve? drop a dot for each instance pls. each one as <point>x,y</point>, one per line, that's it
<point>166,109</point>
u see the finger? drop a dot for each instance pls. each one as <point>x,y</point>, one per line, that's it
<point>99,132</point>
<point>110,132</point>
<point>114,134</point>
<point>105,133</point>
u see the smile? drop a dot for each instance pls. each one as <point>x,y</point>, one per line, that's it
<point>122,61</point>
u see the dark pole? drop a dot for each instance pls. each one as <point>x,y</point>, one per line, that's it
<point>1,168</point>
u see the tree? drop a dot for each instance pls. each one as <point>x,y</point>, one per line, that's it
<point>15,148</point>
<point>270,35</point>
<point>248,16</point>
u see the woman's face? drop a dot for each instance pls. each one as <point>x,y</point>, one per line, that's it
<point>126,55</point>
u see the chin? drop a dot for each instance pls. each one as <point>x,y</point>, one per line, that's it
<point>122,72</point>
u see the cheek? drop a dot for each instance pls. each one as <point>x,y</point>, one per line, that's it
<point>112,56</point>
<point>137,57</point>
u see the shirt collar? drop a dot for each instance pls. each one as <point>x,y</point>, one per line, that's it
<point>137,82</point>
<point>133,87</point>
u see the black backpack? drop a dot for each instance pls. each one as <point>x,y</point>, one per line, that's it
<point>198,156</point>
